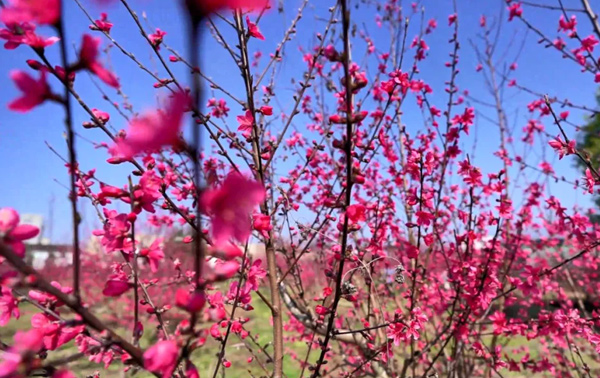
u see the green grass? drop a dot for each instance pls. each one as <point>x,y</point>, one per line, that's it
<point>204,358</point>
<point>259,324</point>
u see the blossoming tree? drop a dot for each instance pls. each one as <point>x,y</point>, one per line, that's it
<point>385,250</point>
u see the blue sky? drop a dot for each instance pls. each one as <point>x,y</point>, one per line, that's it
<point>30,168</point>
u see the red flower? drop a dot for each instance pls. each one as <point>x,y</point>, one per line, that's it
<point>452,19</point>
<point>246,122</point>
<point>424,218</point>
<point>561,147</point>
<point>222,271</point>
<point>205,7</point>
<point>191,371</point>
<point>157,38</point>
<point>88,59</point>
<point>162,358</point>
<point>567,25</point>
<point>590,181</point>
<point>12,233</point>
<point>588,43</point>
<point>219,107</point>
<point>102,24</point>
<point>9,306</point>
<point>116,287</point>
<point>154,254</point>
<point>115,232</point>
<point>255,274</point>
<point>266,110</point>
<point>262,224</point>
<point>227,251</point>
<point>35,92</point>
<point>253,30</point>
<point>24,33</point>
<point>190,302</point>
<point>154,129</point>
<point>356,213</point>
<point>230,206</point>
<point>16,359</point>
<point>39,11</point>
<point>55,333</point>
<point>514,11</point>
<point>322,310</point>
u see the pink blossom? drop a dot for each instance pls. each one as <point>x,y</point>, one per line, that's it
<point>412,251</point>
<point>505,209</point>
<point>102,24</point>
<point>162,358</point>
<point>16,359</point>
<point>190,301</point>
<point>219,107</point>
<point>262,224</point>
<point>356,213</point>
<point>115,231</point>
<point>24,33</point>
<point>9,306</point>
<point>452,19</point>
<point>47,299</point>
<point>102,116</point>
<point>191,371</point>
<point>14,34</point>
<point>253,30</point>
<point>266,110</point>
<point>214,331</point>
<point>230,206</point>
<point>255,274</point>
<point>88,59</point>
<point>397,332</point>
<point>146,193</point>
<point>424,218</point>
<point>588,43</point>
<point>35,92</point>
<point>210,6</point>
<point>156,38</point>
<point>514,11</point>
<point>589,181</point>
<point>226,251</point>
<point>12,233</point>
<point>222,270</point>
<point>246,122</point>
<point>561,147</point>
<point>337,119</point>
<point>116,287</point>
<point>567,25</point>
<point>322,310</point>
<point>154,254</point>
<point>331,53</point>
<point>40,11</point>
<point>154,129</point>
<point>55,333</point>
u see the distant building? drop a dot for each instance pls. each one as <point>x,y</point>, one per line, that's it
<point>34,220</point>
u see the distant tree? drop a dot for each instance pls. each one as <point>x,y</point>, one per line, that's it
<point>588,142</point>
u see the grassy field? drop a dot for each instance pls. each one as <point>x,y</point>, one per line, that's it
<point>204,357</point>
<point>237,353</point>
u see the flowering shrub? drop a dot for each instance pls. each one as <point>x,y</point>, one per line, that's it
<point>374,240</point>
